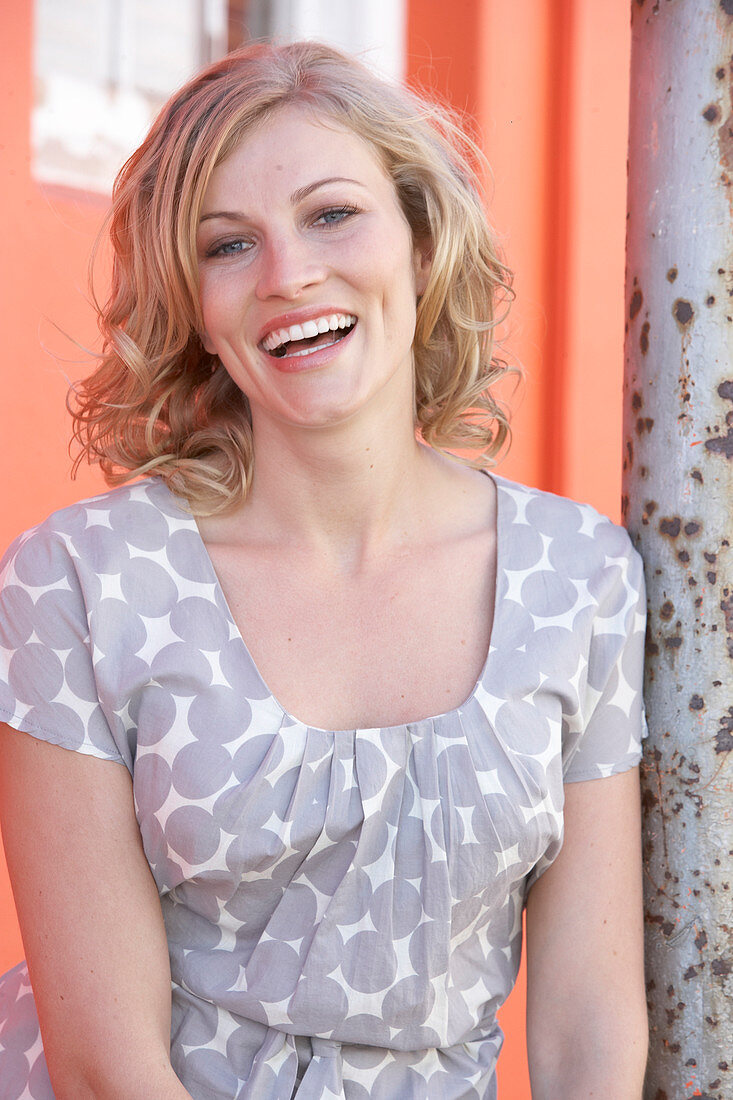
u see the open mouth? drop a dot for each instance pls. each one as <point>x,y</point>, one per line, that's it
<point>310,336</point>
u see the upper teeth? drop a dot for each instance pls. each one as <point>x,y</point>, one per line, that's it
<point>307,330</point>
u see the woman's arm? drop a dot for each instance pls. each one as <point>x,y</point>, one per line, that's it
<point>91,922</point>
<point>586,1008</point>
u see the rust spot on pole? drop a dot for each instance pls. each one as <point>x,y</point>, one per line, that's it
<point>724,736</point>
<point>648,799</point>
<point>670,526</point>
<point>711,113</point>
<point>649,509</point>
<point>683,312</point>
<point>672,274</point>
<point>644,338</point>
<point>723,444</point>
<point>726,607</point>
<point>635,305</point>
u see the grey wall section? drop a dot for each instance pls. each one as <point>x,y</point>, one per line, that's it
<point>678,498</point>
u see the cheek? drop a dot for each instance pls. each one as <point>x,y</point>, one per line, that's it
<point>207,303</point>
<point>219,312</point>
<point>205,334</point>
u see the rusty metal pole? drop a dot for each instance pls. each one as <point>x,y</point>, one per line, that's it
<point>678,504</point>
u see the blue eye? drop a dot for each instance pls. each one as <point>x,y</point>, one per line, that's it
<point>335,214</point>
<point>229,248</point>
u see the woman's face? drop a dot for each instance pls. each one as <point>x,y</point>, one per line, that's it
<point>309,274</point>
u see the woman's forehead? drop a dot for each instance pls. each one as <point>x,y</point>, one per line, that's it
<point>294,113</point>
<point>297,139</point>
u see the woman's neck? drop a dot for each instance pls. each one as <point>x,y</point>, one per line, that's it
<point>349,493</point>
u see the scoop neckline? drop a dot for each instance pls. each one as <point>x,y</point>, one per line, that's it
<point>291,719</point>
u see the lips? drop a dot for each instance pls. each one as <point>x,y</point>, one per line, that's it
<point>307,336</point>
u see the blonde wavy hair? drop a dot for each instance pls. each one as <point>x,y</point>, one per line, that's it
<point>155,403</point>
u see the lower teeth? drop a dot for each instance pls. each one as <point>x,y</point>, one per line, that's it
<point>282,352</point>
<point>309,351</point>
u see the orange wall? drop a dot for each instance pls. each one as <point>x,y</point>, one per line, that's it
<point>46,240</point>
<point>546,81</point>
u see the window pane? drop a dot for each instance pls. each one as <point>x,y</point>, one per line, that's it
<point>373,29</point>
<point>103,68</point>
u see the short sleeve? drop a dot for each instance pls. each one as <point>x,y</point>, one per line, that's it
<point>605,735</point>
<point>47,680</point>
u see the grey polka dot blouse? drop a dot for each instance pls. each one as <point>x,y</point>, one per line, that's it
<point>343,909</point>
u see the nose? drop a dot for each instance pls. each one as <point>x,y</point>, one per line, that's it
<point>288,266</point>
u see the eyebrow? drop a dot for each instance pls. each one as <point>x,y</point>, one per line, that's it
<point>296,197</point>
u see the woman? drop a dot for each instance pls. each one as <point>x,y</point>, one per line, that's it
<point>323,839</point>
